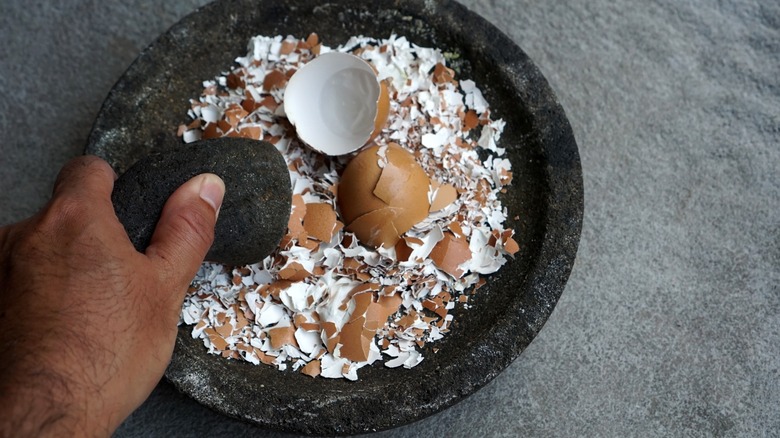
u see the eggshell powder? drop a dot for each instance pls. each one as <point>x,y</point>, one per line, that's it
<point>325,303</point>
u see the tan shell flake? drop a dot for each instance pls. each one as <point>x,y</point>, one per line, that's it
<point>294,271</point>
<point>356,340</point>
<point>312,369</point>
<point>216,340</point>
<point>450,253</point>
<point>443,74</point>
<point>320,221</point>
<point>471,120</point>
<point>274,79</point>
<point>378,312</point>
<point>288,46</point>
<point>444,195</point>
<point>281,336</point>
<point>295,228</point>
<point>511,246</point>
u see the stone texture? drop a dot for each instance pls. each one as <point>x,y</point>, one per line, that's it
<point>254,213</point>
<point>508,312</point>
<point>670,322</point>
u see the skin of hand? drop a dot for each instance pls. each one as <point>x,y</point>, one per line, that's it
<point>87,323</point>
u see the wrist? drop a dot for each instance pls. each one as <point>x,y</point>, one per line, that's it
<point>37,405</point>
<point>41,399</point>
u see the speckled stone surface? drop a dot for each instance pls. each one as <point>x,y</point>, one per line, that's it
<point>544,205</point>
<point>254,213</point>
<point>670,322</point>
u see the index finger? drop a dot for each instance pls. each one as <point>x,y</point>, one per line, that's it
<point>87,176</point>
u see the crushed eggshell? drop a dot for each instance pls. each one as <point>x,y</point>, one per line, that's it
<point>326,303</point>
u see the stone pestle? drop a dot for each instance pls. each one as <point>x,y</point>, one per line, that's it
<point>254,213</point>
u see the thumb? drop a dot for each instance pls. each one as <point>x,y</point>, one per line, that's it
<point>185,230</point>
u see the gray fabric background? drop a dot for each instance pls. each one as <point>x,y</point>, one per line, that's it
<point>670,324</point>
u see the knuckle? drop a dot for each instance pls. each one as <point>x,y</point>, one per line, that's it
<point>64,212</point>
<point>60,226</point>
<point>97,164</point>
<point>82,168</point>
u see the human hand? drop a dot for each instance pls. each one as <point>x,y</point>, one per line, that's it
<point>87,323</point>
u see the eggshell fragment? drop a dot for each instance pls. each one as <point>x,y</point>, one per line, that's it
<point>312,368</point>
<point>511,246</point>
<point>320,221</point>
<point>295,228</point>
<point>449,253</point>
<point>379,204</point>
<point>443,195</point>
<point>281,336</point>
<point>274,79</point>
<point>377,313</point>
<point>336,103</point>
<point>294,272</point>
<point>356,340</point>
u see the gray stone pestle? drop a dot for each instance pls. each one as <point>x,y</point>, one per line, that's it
<point>254,213</point>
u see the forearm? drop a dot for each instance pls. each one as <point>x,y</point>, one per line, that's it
<point>36,402</point>
<point>42,390</point>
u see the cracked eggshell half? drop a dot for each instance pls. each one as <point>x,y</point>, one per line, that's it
<point>382,194</point>
<point>336,103</point>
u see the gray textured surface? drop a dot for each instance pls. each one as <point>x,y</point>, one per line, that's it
<point>670,324</point>
<point>254,213</point>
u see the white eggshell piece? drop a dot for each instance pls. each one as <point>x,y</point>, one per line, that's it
<point>332,102</point>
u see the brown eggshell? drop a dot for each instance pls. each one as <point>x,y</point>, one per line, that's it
<point>312,369</point>
<point>355,191</point>
<point>377,313</point>
<point>281,336</point>
<point>380,204</point>
<point>356,340</point>
<point>382,110</point>
<point>444,196</point>
<point>376,228</point>
<point>320,221</point>
<point>511,246</point>
<point>294,272</point>
<point>449,253</point>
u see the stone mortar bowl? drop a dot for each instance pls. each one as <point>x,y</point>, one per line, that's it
<point>151,99</point>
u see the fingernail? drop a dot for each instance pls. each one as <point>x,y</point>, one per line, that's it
<point>212,190</point>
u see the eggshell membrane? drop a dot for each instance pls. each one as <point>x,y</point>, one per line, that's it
<point>379,204</point>
<point>336,103</point>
